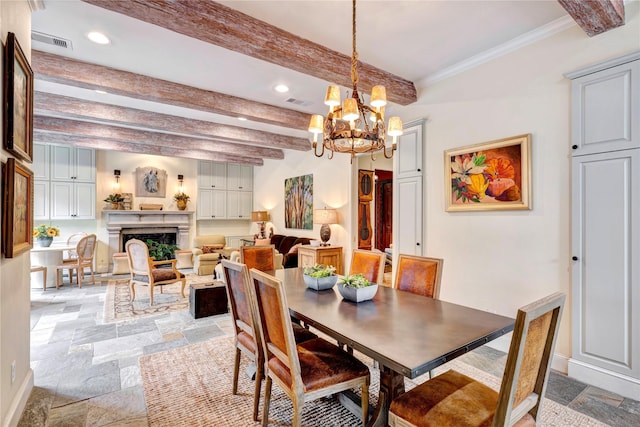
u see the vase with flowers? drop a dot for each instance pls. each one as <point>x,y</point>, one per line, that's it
<point>181,200</point>
<point>114,200</point>
<point>44,234</point>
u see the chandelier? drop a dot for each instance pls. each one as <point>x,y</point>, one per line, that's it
<point>354,127</point>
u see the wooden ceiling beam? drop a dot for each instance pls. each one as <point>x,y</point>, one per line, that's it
<point>74,108</point>
<point>59,69</point>
<point>129,147</point>
<point>106,132</point>
<point>226,27</point>
<point>595,16</point>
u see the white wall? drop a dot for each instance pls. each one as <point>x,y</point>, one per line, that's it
<point>15,16</point>
<point>501,260</point>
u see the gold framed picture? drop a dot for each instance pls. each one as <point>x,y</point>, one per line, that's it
<point>494,175</point>
<point>17,224</point>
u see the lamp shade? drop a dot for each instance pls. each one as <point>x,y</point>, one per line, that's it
<point>325,216</point>
<point>350,109</point>
<point>378,96</point>
<point>316,124</point>
<point>332,98</point>
<point>395,126</point>
<point>259,216</point>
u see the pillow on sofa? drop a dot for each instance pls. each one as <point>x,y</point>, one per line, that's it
<point>294,249</point>
<point>208,249</point>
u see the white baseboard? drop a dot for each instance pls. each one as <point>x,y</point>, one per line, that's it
<point>608,380</point>
<point>20,402</point>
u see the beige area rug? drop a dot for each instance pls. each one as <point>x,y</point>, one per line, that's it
<point>191,386</point>
<point>118,305</point>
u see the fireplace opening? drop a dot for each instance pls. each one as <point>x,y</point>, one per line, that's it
<point>159,235</point>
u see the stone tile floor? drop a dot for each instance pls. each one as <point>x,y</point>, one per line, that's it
<point>87,373</point>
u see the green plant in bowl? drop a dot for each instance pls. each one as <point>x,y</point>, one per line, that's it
<point>320,277</point>
<point>357,288</point>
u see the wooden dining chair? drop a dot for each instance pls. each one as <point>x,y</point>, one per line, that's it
<point>369,263</point>
<point>453,399</point>
<point>304,371</point>
<point>259,257</point>
<point>85,252</point>
<point>419,275</point>
<point>247,332</point>
<point>144,269</point>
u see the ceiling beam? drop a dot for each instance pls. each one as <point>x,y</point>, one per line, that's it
<point>102,131</point>
<point>226,27</point>
<point>59,69</point>
<point>595,16</point>
<point>47,104</point>
<point>129,147</point>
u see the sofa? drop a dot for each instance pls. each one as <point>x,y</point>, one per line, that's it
<point>204,260</point>
<point>288,247</point>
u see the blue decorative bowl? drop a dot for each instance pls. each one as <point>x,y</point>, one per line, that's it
<point>358,294</point>
<point>320,283</point>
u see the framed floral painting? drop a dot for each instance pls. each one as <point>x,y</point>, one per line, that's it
<point>17,225</point>
<point>494,175</point>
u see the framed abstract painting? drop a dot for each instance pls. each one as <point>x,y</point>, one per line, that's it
<point>298,202</point>
<point>494,175</point>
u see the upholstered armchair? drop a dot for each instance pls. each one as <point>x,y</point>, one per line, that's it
<point>204,257</point>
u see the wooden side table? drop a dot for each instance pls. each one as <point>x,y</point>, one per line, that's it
<point>328,255</point>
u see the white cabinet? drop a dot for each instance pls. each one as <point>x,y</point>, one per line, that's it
<point>605,233</point>
<point>40,200</point>
<point>40,161</point>
<point>212,175</point>
<point>240,177</point>
<point>239,204</point>
<point>607,105</point>
<point>73,200</point>
<point>212,204</point>
<point>224,191</point>
<point>409,152</point>
<point>73,163</point>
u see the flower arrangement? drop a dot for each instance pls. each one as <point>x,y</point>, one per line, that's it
<point>320,270</point>
<point>114,198</point>
<point>181,196</point>
<point>44,230</point>
<point>355,281</point>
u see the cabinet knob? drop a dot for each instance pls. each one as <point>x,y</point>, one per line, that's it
<point>240,188</point>
<point>418,170</point>
<point>418,244</point>
<point>575,147</point>
<point>575,258</point>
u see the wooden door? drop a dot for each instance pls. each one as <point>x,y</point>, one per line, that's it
<point>384,209</point>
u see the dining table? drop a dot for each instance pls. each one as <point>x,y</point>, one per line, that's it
<point>49,257</point>
<point>406,334</point>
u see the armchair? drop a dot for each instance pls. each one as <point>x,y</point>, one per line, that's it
<point>204,259</point>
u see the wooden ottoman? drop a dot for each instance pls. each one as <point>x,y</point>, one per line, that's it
<point>208,299</point>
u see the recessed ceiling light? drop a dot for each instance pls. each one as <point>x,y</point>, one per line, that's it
<point>101,91</point>
<point>99,38</point>
<point>242,118</point>
<point>282,88</point>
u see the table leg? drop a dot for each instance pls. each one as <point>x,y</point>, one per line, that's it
<point>391,386</point>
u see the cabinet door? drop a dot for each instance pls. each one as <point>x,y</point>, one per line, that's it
<point>409,152</point>
<point>605,246</point>
<point>408,238</point>
<point>212,175</point>
<point>605,107</point>
<point>240,177</point>
<point>212,204</point>
<point>40,200</point>
<point>62,200</point>
<point>40,161</point>
<point>62,163</point>
<point>239,204</point>
<point>84,201</point>
<point>84,161</point>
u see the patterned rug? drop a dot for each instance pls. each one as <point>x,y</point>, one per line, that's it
<point>191,386</point>
<point>118,305</point>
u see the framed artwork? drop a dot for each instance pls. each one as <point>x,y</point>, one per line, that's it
<point>298,202</point>
<point>127,203</point>
<point>18,101</point>
<point>489,176</point>
<point>151,182</point>
<point>17,233</point>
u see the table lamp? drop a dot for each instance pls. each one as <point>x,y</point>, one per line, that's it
<point>325,217</point>
<point>260,217</point>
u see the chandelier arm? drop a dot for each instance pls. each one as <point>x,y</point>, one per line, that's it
<point>315,151</point>
<point>384,151</point>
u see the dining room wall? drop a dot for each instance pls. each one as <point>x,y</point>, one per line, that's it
<point>15,16</point>
<point>500,260</point>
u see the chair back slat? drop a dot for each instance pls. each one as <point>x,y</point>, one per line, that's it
<point>369,263</point>
<point>527,368</point>
<point>259,257</point>
<point>419,275</point>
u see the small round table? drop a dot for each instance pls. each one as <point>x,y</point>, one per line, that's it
<point>49,257</point>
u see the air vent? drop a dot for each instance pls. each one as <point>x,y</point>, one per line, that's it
<point>298,102</point>
<point>53,40</point>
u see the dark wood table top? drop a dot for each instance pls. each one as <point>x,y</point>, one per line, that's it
<point>408,333</point>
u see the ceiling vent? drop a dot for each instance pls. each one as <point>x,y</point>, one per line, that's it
<point>298,102</point>
<point>52,40</point>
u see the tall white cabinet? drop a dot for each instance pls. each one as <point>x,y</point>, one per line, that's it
<point>606,225</point>
<point>225,191</point>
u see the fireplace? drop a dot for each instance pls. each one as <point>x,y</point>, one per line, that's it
<point>162,226</point>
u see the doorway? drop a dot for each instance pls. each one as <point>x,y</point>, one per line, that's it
<point>383,209</point>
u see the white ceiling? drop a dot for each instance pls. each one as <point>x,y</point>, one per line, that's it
<point>422,41</point>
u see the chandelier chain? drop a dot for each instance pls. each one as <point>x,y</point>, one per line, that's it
<point>354,55</point>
